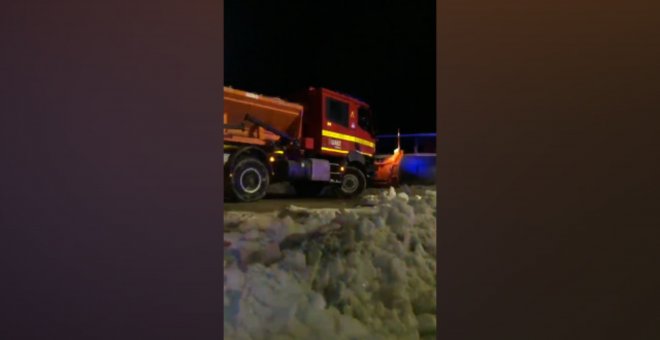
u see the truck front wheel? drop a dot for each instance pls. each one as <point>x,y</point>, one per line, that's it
<point>353,182</point>
<point>248,180</point>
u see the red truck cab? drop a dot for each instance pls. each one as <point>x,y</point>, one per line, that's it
<point>335,124</point>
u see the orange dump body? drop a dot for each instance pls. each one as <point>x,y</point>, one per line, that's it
<point>280,114</point>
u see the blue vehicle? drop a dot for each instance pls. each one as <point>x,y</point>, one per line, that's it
<point>419,161</point>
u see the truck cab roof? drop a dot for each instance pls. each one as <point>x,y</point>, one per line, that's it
<point>340,94</point>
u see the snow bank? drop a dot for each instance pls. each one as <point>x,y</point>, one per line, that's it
<point>363,273</point>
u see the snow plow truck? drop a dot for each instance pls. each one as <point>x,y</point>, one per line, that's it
<point>320,138</point>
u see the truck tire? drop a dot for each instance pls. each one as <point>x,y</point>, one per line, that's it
<point>353,183</point>
<point>308,189</point>
<point>248,180</point>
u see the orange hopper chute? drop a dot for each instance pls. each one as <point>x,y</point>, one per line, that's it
<point>387,169</point>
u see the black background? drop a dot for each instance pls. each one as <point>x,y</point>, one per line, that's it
<point>548,173</point>
<point>110,198</point>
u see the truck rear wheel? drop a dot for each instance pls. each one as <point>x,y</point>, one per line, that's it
<point>248,180</point>
<point>353,183</point>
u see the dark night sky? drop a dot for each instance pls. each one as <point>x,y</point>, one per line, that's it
<point>380,51</point>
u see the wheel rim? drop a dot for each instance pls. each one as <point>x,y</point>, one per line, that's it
<point>350,183</point>
<point>250,181</point>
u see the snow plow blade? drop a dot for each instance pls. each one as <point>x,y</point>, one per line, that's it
<point>387,170</point>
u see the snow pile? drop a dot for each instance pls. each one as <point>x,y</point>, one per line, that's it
<point>364,273</point>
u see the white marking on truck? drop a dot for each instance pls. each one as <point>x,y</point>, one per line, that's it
<point>335,143</point>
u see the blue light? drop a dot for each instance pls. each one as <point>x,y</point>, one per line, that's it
<point>418,167</point>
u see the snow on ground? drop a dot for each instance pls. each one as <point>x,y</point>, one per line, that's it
<point>363,273</point>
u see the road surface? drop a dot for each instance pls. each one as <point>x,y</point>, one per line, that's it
<point>282,196</point>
